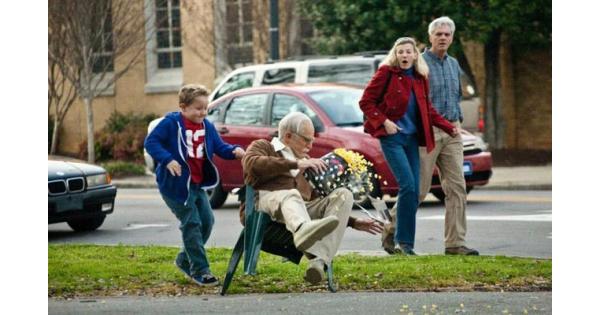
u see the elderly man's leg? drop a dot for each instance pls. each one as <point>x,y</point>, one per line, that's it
<point>288,207</point>
<point>450,165</point>
<point>338,204</point>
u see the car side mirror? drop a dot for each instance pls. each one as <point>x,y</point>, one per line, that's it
<point>318,125</point>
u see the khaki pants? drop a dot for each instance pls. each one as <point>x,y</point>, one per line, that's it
<point>448,156</point>
<point>288,207</point>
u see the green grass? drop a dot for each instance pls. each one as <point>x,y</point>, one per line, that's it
<point>92,270</point>
<point>118,169</point>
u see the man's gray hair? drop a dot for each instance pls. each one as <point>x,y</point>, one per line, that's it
<point>292,122</point>
<point>444,20</point>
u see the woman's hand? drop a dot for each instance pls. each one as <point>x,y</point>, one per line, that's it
<point>390,127</point>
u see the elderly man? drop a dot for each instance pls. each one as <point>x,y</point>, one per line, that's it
<point>445,93</point>
<point>275,169</point>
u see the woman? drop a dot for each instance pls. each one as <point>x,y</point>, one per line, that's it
<point>398,112</point>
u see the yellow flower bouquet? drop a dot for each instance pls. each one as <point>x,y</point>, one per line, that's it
<point>346,168</point>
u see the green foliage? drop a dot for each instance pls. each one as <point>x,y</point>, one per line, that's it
<point>93,270</point>
<point>122,168</point>
<point>122,138</point>
<point>348,26</point>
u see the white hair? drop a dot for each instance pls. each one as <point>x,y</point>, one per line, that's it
<point>292,122</point>
<point>444,20</point>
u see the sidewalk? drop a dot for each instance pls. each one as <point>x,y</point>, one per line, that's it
<point>503,178</point>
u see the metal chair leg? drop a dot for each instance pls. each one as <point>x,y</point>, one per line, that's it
<point>238,250</point>
<point>330,284</point>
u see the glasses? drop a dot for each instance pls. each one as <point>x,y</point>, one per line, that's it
<point>306,140</point>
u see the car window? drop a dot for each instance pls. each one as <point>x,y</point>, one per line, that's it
<point>284,104</point>
<point>276,76</point>
<point>236,82</point>
<point>214,113</point>
<point>356,72</point>
<point>341,105</point>
<point>247,110</point>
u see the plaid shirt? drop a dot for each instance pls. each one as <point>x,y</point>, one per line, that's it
<point>444,82</point>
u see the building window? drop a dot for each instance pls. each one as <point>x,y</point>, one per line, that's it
<point>168,34</point>
<point>163,52</point>
<point>238,22</point>
<point>103,46</point>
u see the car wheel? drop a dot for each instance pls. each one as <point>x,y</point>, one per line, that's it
<point>362,200</point>
<point>88,224</point>
<point>439,193</point>
<point>217,196</point>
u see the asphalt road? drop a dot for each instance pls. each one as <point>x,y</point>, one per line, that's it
<point>512,223</point>
<point>317,303</point>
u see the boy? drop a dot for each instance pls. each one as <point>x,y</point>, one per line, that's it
<point>182,144</point>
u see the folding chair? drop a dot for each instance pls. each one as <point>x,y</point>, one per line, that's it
<point>260,232</point>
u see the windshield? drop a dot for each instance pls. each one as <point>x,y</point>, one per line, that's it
<point>358,73</point>
<point>341,105</point>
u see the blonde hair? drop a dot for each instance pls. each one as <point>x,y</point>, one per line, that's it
<point>392,61</point>
<point>189,92</point>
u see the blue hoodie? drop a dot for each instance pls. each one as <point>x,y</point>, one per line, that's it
<point>167,142</point>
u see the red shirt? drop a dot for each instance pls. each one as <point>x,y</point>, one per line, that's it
<point>194,139</point>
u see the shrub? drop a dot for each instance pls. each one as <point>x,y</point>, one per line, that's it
<point>118,169</point>
<point>122,138</point>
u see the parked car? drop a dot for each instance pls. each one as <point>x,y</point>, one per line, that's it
<point>79,193</point>
<point>356,70</point>
<point>254,113</point>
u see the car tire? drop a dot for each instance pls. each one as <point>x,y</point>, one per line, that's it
<point>375,193</point>
<point>88,224</point>
<point>441,196</point>
<point>217,196</point>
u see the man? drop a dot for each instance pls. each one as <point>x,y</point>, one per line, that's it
<point>275,169</point>
<point>445,94</point>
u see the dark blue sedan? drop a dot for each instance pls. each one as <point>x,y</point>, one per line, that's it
<point>80,194</point>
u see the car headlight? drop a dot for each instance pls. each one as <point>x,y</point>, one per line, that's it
<point>98,180</point>
<point>480,144</point>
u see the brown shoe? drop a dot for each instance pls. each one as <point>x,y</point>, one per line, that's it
<point>461,250</point>
<point>315,272</point>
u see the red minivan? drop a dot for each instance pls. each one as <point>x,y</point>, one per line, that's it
<point>254,113</point>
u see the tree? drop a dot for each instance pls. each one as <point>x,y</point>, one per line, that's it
<point>348,26</point>
<point>94,34</point>
<point>61,94</point>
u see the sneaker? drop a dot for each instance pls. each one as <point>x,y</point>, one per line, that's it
<point>404,249</point>
<point>312,231</point>
<point>183,267</point>
<point>461,250</point>
<point>206,279</point>
<point>315,272</point>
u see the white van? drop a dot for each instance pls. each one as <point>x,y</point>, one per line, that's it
<point>356,70</point>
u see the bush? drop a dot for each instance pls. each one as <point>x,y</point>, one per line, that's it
<point>122,138</point>
<point>118,169</point>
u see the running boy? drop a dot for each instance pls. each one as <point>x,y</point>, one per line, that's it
<point>182,145</point>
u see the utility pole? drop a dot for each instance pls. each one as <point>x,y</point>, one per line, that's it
<point>274,29</point>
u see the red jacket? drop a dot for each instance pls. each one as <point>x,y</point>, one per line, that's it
<point>394,103</point>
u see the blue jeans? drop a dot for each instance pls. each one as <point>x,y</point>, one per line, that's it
<point>402,155</point>
<point>196,222</point>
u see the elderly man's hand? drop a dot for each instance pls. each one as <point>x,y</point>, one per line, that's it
<point>368,225</point>
<point>316,165</point>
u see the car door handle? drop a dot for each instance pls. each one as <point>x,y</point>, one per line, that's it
<point>223,130</point>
